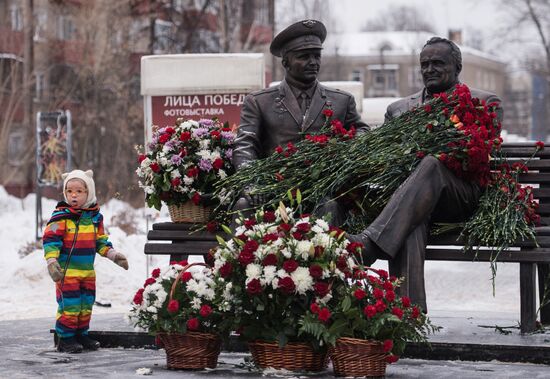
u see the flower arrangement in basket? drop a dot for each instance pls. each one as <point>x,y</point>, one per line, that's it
<point>370,324</point>
<point>178,305</point>
<point>182,164</point>
<point>276,267</point>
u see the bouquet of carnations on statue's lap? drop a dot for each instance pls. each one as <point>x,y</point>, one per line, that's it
<point>461,131</point>
<point>272,271</point>
<point>178,306</point>
<point>183,163</point>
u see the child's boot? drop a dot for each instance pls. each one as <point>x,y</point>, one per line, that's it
<point>87,342</point>
<point>69,345</point>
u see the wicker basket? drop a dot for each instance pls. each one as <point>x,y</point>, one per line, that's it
<point>357,357</point>
<point>189,212</point>
<point>294,356</point>
<point>191,351</point>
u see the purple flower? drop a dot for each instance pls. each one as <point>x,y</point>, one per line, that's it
<point>169,144</point>
<point>229,153</point>
<point>176,159</point>
<point>205,165</point>
<point>199,132</point>
<point>206,122</point>
<point>230,136</point>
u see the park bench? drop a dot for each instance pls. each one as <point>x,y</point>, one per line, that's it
<point>182,242</point>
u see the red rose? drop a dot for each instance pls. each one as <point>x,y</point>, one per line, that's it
<point>398,312</point>
<point>138,297</point>
<point>270,260</point>
<point>315,271</point>
<point>290,265</point>
<point>314,308</point>
<point>175,182</point>
<point>173,306</point>
<point>218,163</point>
<point>155,273</point>
<point>287,285</point>
<point>324,315</point>
<point>155,167</point>
<point>359,293</point>
<point>391,358</point>
<point>193,172</point>
<point>226,269</point>
<point>254,287</point>
<point>205,310</point>
<point>406,302</point>
<point>539,145</point>
<point>186,276</point>
<point>193,323</point>
<point>196,199</point>
<point>269,216</point>
<point>246,257</point>
<point>387,346</point>
<point>321,289</point>
<point>370,311</point>
<point>328,112</point>
<point>149,281</point>
<point>141,158</point>
<point>185,136</point>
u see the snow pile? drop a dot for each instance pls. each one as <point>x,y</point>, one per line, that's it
<point>26,290</point>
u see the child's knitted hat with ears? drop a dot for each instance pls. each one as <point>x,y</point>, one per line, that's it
<point>88,178</point>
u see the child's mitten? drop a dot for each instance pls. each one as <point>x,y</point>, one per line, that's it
<point>118,258</point>
<point>54,269</point>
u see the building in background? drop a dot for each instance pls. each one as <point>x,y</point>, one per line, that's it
<point>388,63</point>
<point>83,55</point>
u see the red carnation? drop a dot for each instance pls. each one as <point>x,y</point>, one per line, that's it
<point>324,315</point>
<point>387,346</point>
<point>415,312</point>
<point>138,297</point>
<point>246,257</point>
<point>370,311</point>
<point>205,310</point>
<point>328,112</point>
<point>388,286</point>
<point>226,269</point>
<point>287,285</point>
<point>186,276</point>
<point>169,130</point>
<point>164,138</point>
<point>215,134</point>
<point>193,172</point>
<point>427,108</point>
<point>254,287</point>
<point>378,293</point>
<point>141,158</point>
<point>359,293</point>
<point>315,271</point>
<point>173,306</point>
<point>193,323</point>
<point>212,226</point>
<point>218,163</point>
<point>251,245</point>
<point>279,177</point>
<point>270,260</point>
<point>196,199</point>
<point>290,265</point>
<point>175,182</point>
<point>392,358</point>
<point>269,216</point>
<point>155,273</point>
<point>398,312</point>
<point>185,136</point>
<point>279,149</point>
<point>390,296</point>
<point>406,302</point>
<point>355,247</point>
<point>284,227</point>
<point>149,281</point>
<point>303,227</point>
<point>314,308</point>
<point>539,145</point>
<point>155,167</point>
<point>380,306</point>
<point>249,223</point>
<point>420,154</point>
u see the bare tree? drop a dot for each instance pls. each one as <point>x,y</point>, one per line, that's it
<point>399,18</point>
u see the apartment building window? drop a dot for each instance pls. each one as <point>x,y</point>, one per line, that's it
<point>65,28</point>
<point>16,148</point>
<point>357,75</point>
<point>383,80</point>
<point>40,25</point>
<point>16,17</point>
<point>262,12</point>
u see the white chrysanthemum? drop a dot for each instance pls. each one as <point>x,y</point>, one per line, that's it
<point>188,180</point>
<point>204,153</point>
<point>269,274</point>
<point>222,174</point>
<point>186,125</point>
<point>321,239</point>
<point>152,309</point>
<point>263,250</point>
<point>286,252</point>
<point>281,273</point>
<point>175,174</point>
<point>164,162</point>
<point>204,144</point>
<point>253,271</point>
<point>196,303</point>
<point>302,279</point>
<point>149,190</point>
<point>322,224</point>
<point>303,249</point>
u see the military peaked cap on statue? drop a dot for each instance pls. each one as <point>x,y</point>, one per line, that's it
<point>306,34</point>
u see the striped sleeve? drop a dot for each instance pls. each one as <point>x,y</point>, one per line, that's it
<point>103,245</point>
<point>52,239</point>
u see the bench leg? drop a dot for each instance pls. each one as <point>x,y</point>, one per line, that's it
<point>544,279</point>
<point>527,289</point>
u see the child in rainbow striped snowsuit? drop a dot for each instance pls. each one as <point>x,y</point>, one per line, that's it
<point>73,236</point>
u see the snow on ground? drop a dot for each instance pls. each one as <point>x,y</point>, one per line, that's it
<point>26,290</point>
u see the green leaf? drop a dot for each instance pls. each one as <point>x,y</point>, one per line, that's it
<point>346,304</point>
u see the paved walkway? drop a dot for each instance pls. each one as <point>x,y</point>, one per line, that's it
<point>26,351</point>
